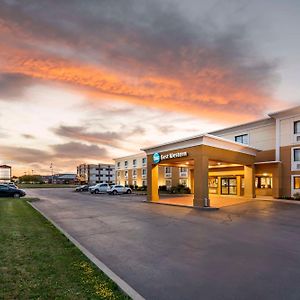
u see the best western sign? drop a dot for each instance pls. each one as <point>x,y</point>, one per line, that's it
<point>157,157</point>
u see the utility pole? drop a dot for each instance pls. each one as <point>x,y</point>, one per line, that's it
<point>51,167</point>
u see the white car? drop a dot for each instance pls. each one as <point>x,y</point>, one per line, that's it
<point>99,188</point>
<point>119,189</point>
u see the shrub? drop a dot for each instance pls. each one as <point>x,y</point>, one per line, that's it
<point>297,196</point>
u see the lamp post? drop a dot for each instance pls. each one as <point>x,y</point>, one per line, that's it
<point>51,167</point>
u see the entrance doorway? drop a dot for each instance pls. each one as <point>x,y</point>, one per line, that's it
<point>229,186</point>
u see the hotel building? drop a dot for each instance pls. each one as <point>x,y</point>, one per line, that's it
<point>132,171</point>
<point>261,158</point>
<point>96,173</point>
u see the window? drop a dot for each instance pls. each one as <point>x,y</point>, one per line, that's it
<point>144,161</point>
<point>126,163</point>
<point>118,173</point>
<point>183,170</point>
<point>183,182</point>
<point>263,182</point>
<point>144,183</point>
<point>118,164</point>
<point>168,170</point>
<point>297,183</point>
<point>242,139</point>
<point>126,174</point>
<point>134,162</point>
<point>297,155</point>
<point>144,172</point>
<point>297,127</point>
<point>134,172</point>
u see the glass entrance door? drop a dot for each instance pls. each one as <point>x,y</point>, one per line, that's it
<point>228,186</point>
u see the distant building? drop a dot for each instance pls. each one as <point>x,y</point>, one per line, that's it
<point>96,173</point>
<point>5,173</point>
<point>65,178</point>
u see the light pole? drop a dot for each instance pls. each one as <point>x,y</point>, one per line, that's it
<point>51,167</point>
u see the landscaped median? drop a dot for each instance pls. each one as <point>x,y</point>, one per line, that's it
<point>38,262</point>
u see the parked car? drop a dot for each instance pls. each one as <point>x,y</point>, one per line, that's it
<point>119,189</point>
<point>82,188</point>
<point>99,188</point>
<point>11,184</point>
<point>10,191</point>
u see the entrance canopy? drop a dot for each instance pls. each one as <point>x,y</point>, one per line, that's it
<point>200,153</point>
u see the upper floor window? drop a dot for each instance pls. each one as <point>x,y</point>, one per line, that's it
<point>126,163</point>
<point>144,160</point>
<point>134,172</point>
<point>134,162</point>
<point>297,154</point>
<point>168,170</point>
<point>118,164</point>
<point>144,171</point>
<point>297,127</point>
<point>183,169</point>
<point>243,139</point>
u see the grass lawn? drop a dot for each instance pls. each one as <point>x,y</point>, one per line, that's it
<point>38,262</point>
<point>44,185</point>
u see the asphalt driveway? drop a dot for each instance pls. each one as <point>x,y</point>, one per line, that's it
<point>246,251</point>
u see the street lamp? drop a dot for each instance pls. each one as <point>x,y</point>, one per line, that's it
<point>51,167</point>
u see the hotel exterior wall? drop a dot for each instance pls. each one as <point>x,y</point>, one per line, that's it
<point>262,135</point>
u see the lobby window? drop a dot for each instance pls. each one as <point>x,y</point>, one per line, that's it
<point>263,182</point>
<point>297,155</point>
<point>144,183</point>
<point>242,139</point>
<point>297,127</point>
<point>297,183</point>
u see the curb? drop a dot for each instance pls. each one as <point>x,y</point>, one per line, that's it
<point>185,206</point>
<point>125,287</point>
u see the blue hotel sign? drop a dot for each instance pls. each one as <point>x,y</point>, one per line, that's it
<point>157,157</point>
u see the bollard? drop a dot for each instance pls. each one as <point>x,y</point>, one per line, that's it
<point>206,202</point>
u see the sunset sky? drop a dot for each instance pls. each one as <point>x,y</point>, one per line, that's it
<point>88,81</point>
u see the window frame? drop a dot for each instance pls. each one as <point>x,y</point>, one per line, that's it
<point>242,136</point>
<point>296,125</point>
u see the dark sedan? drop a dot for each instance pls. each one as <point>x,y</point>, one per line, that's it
<point>82,188</point>
<point>11,191</point>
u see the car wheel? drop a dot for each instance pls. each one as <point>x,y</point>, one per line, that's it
<point>128,192</point>
<point>16,195</point>
<point>96,191</point>
<point>115,192</point>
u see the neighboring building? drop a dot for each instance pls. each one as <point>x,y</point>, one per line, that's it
<point>5,173</point>
<point>64,178</point>
<point>258,158</point>
<point>96,173</point>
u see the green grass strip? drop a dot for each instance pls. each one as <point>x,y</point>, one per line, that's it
<point>38,262</point>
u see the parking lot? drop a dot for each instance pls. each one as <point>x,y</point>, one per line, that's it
<point>246,251</point>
